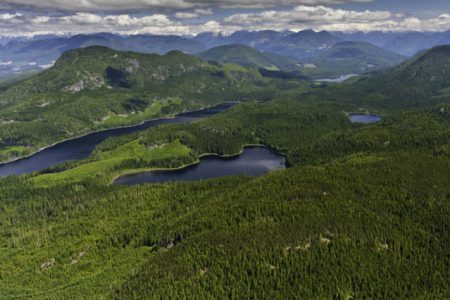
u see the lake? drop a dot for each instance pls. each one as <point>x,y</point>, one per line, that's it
<point>82,147</point>
<point>364,118</point>
<point>338,79</point>
<point>253,161</point>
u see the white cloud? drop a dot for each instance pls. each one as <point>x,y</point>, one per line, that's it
<point>9,17</point>
<point>121,5</point>
<point>298,18</point>
<point>195,14</point>
<point>327,18</point>
<point>40,20</point>
<point>204,11</point>
<point>307,15</point>
<point>186,15</point>
<point>81,19</point>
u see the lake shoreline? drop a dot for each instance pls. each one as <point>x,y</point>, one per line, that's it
<point>169,117</point>
<point>204,155</point>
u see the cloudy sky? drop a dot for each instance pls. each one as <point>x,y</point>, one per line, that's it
<point>31,17</point>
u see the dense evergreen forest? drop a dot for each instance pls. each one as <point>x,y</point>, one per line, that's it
<point>96,88</point>
<point>361,213</point>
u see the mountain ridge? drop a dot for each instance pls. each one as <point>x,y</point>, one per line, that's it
<point>97,87</point>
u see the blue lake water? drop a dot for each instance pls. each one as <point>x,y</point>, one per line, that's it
<point>338,79</point>
<point>253,161</point>
<point>83,147</point>
<point>364,118</point>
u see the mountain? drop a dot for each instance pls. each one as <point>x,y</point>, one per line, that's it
<point>350,58</point>
<point>360,212</point>
<point>341,59</point>
<point>255,39</point>
<point>211,39</point>
<point>21,55</point>
<point>404,43</point>
<point>419,82</point>
<point>429,69</point>
<point>43,51</point>
<point>97,87</point>
<point>40,53</point>
<point>303,44</point>
<point>377,38</point>
<point>160,44</point>
<point>247,56</point>
<point>410,43</point>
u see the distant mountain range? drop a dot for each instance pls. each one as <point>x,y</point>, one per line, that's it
<point>307,43</point>
<point>405,43</point>
<point>350,58</point>
<point>249,57</point>
<point>20,55</point>
<point>341,58</point>
<point>25,55</point>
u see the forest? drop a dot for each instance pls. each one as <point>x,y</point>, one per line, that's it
<point>362,212</point>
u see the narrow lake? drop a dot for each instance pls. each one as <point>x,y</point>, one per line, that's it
<point>253,161</point>
<point>338,79</point>
<point>82,147</point>
<point>364,118</point>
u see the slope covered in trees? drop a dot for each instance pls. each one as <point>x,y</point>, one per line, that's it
<point>351,58</point>
<point>362,212</point>
<point>96,87</point>
<point>247,56</point>
<point>422,81</point>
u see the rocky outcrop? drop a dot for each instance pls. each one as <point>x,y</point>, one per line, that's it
<point>89,81</point>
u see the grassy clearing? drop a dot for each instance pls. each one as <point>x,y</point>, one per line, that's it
<point>12,152</point>
<point>103,166</point>
<point>153,111</point>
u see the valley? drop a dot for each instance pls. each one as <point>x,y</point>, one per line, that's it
<point>229,172</point>
<point>82,147</point>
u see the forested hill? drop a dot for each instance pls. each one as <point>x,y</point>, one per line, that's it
<point>424,80</point>
<point>100,67</point>
<point>247,56</point>
<point>428,68</point>
<point>362,212</point>
<point>97,87</point>
<point>352,58</point>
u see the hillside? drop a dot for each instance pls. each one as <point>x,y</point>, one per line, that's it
<point>24,54</point>
<point>303,44</point>
<point>427,73</point>
<point>247,56</point>
<point>97,87</point>
<point>418,82</point>
<point>362,211</point>
<point>351,58</point>
<point>404,43</point>
<point>40,53</point>
<point>255,39</point>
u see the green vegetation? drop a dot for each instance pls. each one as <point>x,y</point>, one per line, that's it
<point>109,162</point>
<point>150,112</point>
<point>362,212</point>
<point>246,56</point>
<point>350,58</point>
<point>14,151</point>
<point>95,88</point>
<point>341,59</point>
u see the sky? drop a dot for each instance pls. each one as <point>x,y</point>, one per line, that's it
<point>190,17</point>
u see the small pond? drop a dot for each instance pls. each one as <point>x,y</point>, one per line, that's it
<point>364,118</point>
